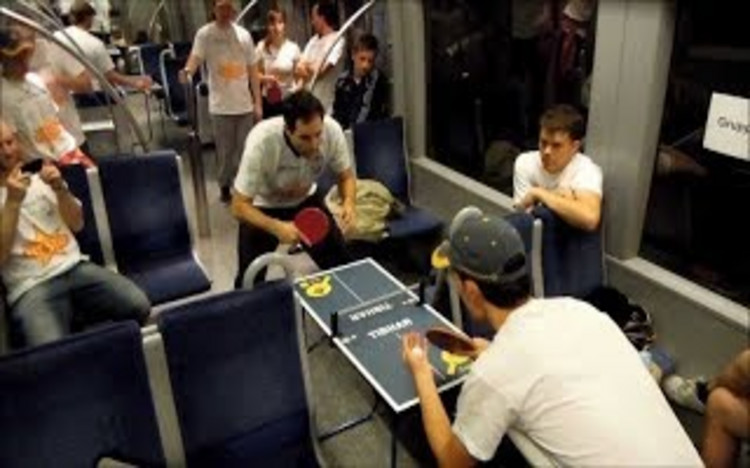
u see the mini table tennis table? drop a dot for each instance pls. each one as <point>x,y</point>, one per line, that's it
<point>372,311</point>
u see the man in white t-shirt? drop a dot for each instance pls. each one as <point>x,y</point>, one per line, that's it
<point>27,104</point>
<point>50,285</point>
<point>229,53</point>
<point>284,156</point>
<point>324,20</point>
<point>558,370</point>
<point>82,16</point>
<point>62,76</point>
<point>558,175</point>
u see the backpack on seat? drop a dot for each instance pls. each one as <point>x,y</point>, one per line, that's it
<point>374,205</point>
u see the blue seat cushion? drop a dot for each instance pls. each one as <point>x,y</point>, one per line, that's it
<point>413,221</point>
<point>166,279</point>
<point>280,443</point>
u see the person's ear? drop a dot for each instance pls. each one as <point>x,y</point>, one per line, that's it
<point>473,295</point>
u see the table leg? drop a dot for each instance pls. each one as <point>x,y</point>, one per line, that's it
<point>352,423</point>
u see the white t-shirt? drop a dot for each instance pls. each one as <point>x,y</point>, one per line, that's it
<point>227,53</point>
<point>581,173</point>
<point>562,373</point>
<point>28,106</point>
<point>44,247</point>
<point>53,59</point>
<point>91,46</point>
<point>315,50</point>
<point>274,176</point>
<point>280,62</point>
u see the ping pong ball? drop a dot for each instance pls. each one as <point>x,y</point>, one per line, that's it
<point>417,351</point>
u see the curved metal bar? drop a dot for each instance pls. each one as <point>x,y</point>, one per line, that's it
<point>246,10</point>
<point>106,86</point>
<point>266,260</point>
<point>339,35</point>
<point>152,21</point>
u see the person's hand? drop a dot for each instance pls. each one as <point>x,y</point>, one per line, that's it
<point>51,176</point>
<point>17,184</point>
<point>531,198</point>
<point>270,81</point>
<point>414,353</point>
<point>303,71</point>
<point>143,83</point>
<point>287,233</point>
<point>184,76</point>
<point>258,112</point>
<point>348,216</point>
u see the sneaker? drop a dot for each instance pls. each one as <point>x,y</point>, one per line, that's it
<point>226,195</point>
<point>685,392</point>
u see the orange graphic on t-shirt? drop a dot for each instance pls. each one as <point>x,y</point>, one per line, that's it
<point>49,131</point>
<point>231,70</point>
<point>45,246</point>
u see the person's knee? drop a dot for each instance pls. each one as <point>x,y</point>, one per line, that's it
<point>141,306</point>
<point>720,404</point>
<point>136,304</point>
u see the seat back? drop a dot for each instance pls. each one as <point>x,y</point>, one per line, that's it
<point>380,155</point>
<point>530,230</point>
<point>70,402</point>
<point>572,259</point>
<point>145,208</point>
<point>88,237</point>
<point>237,377</point>
<point>149,60</point>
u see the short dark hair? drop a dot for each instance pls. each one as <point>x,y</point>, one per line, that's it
<point>80,11</point>
<point>564,118</point>
<point>506,295</point>
<point>328,10</point>
<point>366,42</point>
<point>301,105</point>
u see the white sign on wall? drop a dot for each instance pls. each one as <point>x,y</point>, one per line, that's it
<point>728,126</point>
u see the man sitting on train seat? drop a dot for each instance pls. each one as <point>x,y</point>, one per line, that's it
<point>283,158</point>
<point>362,92</point>
<point>727,413</point>
<point>27,104</point>
<point>568,182</point>
<point>234,98</point>
<point>50,285</point>
<point>558,370</point>
<point>324,18</point>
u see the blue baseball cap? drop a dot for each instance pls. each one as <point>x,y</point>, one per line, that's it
<point>484,247</point>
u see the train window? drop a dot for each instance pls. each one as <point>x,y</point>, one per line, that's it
<point>493,68</point>
<point>692,226</point>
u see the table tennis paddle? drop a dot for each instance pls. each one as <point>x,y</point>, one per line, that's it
<point>451,341</point>
<point>313,225</point>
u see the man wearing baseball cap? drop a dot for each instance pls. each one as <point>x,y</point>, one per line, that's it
<point>557,370</point>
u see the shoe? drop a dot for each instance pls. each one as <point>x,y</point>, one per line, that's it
<point>685,392</point>
<point>226,195</point>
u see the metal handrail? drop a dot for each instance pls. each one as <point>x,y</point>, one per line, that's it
<point>106,86</point>
<point>246,10</point>
<point>339,35</point>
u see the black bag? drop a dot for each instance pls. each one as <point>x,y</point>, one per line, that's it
<point>632,319</point>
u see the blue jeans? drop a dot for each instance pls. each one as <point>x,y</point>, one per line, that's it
<point>85,295</point>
